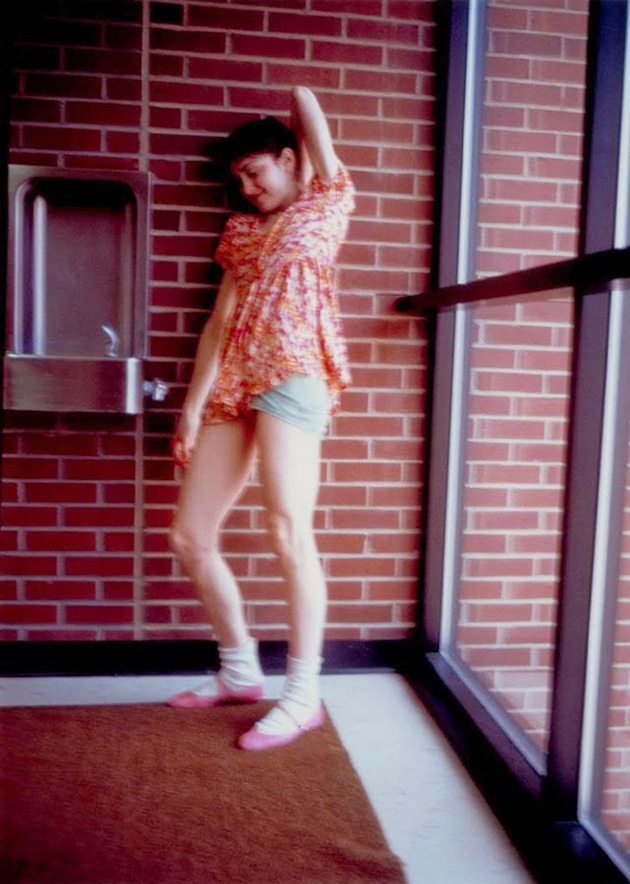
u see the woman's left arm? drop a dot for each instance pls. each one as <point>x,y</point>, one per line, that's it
<point>310,126</point>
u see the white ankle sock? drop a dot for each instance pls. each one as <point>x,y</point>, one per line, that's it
<point>240,668</point>
<point>299,699</point>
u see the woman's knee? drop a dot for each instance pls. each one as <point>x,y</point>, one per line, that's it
<point>189,546</point>
<point>291,537</point>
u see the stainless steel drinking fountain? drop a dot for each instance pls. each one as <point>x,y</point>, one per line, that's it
<point>77,285</point>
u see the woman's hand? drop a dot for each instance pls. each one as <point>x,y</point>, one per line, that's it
<point>186,437</point>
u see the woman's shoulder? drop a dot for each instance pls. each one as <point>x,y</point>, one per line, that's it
<point>339,189</point>
<point>240,221</point>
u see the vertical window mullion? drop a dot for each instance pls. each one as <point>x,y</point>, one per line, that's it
<point>464,50</point>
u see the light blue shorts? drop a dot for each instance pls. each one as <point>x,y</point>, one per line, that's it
<point>301,401</point>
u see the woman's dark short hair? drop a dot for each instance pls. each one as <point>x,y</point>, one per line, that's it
<point>258,136</point>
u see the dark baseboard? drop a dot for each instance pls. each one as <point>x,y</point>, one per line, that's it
<point>179,657</point>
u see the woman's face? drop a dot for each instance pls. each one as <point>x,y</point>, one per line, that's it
<point>268,182</point>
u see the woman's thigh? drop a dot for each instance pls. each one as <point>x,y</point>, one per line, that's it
<point>289,468</point>
<point>216,476</point>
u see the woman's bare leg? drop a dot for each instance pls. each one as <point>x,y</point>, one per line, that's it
<point>212,483</point>
<point>289,474</point>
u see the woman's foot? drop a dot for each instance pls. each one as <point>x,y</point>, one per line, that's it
<point>299,709</point>
<point>215,693</point>
<point>284,729</point>
<point>240,680</point>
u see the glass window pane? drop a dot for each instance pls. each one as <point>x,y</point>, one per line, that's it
<point>531,139</point>
<point>512,502</point>
<point>615,805</point>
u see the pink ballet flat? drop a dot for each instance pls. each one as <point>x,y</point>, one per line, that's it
<point>254,740</point>
<point>224,694</point>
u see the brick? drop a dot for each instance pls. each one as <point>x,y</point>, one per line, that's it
<point>339,103</point>
<point>268,47</point>
<point>185,93</point>
<point>87,161</point>
<point>496,657</point>
<point>523,43</point>
<point>271,100</point>
<point>60,541</point>
<point>118,541</point>
<point>380,131</point>
<point>417,10</point>
<point>8,590</point>
<point>393,231</point>
<point>123,36</point>
<point>368,7</point>
<point>118,590</point>
<point>529,94</point>
<point>340,544</point>
<point>123,89</point>
<point>521,142</point>
<point>102,113</point>
<point>59,590</point>
<point>29,516</point>
<point>166,65</point>
<point>296,75</point>
<point>555,120</point>
<point>35,110</point>
<point>365,613</point>
<point>372,81</point>
<point>103,61</point>
<point>217,16</point>
<point>394,544</point>
<point>563,23</point>
<point>316,25</point>
<point>346,53</point>
<point>27,614</point>
<point>98,614</point>
<point>209,68</point>
<point>98,516</point>
<point>104,566</point>
<point>382,31</point>
<point>558,71</point>
<point>172,40</point>
<point>394,496</point>
<point>61,139</point>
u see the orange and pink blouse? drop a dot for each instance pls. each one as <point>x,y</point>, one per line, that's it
<point>287,319</point>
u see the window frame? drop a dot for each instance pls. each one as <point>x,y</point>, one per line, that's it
<point>551,792</point>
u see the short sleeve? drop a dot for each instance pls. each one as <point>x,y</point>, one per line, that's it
<point>224,254</point>
<point>340,190</point>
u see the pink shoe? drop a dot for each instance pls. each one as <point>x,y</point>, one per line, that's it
<point>253,739</point>
<point>224,694</point>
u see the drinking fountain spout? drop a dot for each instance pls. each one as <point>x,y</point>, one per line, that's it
<point>114,341</point>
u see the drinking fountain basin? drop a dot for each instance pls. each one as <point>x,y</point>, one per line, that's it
<point>77,286</point>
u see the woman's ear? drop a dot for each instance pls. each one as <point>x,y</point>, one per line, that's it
<point>288,159</point>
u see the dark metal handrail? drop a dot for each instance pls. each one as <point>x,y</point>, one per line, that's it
<point>591,269</point>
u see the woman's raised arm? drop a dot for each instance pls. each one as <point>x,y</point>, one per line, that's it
<point>310,125</point>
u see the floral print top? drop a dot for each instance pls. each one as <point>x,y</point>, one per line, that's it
<point>286,320</point>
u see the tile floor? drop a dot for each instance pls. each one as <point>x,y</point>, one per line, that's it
<point>433,816</point>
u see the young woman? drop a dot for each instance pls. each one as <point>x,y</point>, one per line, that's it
<point>269,369</point>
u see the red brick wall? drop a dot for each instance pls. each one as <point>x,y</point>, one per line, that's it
<point>88,499</point>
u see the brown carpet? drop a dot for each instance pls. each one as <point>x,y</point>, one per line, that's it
<point>152,795</point>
